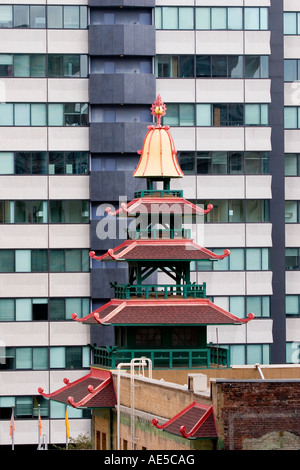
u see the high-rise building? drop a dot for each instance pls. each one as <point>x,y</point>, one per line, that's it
<point>77,83</point>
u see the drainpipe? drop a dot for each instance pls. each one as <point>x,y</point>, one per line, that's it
<point>260,371</point>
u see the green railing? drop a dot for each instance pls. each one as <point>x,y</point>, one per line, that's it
<point>164,358</point>
<point>159,193</point>
<point>155,234</point>
<point>125,291</point>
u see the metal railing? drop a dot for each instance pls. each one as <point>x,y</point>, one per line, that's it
<point>147,291</point>
<point>156,234</point>
<point>159,193</point>
<point>212,356</point>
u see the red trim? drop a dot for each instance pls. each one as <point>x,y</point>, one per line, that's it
<point>202,420</point>
<point>92,392</point>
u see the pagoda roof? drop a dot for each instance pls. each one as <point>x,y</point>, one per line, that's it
<point>196,421</point>
<point>94,390</point>
<point>175,311</point>
<point>159,249</point>
<point>159,205</point>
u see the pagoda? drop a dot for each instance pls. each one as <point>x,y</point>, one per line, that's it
<point>166,322</point>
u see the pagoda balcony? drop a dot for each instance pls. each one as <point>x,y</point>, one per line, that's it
<point>158,193</point>
<point>155,234</point>
<point>211,357</point>
<point>160,291</point>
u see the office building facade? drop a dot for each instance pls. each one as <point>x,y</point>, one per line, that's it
<point>78,79</point>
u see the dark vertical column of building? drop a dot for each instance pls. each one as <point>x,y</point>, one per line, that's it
<point>277,204</point>
<point>122,90</point>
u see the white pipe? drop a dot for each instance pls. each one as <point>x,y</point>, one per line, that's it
<point>260,371</point>
<point>140,362</point>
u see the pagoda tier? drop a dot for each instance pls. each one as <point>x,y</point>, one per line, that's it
<point>161,312</point>
<point>159,250</point>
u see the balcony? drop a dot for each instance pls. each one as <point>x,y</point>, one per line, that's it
<point>162,291</point>
<point>210,357</point>
<point>167,234</point>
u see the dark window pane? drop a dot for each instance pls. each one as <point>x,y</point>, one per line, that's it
<point>252,66</point>
<point>204,163</point>
<point>57,309</point>
<point>187,162</point>
<point>38,65</point>
<point>39,310</point>
<point>39,261</point>
<point>219,66</point>
<point>56,163</point>
<point>23,163</point>
<point>56,212</point>
<point>220,117</point>
<point>186,66</point>
<point>7,261</point>
<point>73,357</point>
<point>56,260</point>
<point>21,16</point>
<point>203,66</point>
<point>55,65</point>
<point>71,66</point>
<point>235,115</point>
<point>235,163</point>
<point>219,163</point>
<point>235,66</point>
<point>39,163</point>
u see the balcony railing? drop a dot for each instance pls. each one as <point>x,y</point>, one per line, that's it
<point>159,193</point>
<point>155,234</point>
<point>164,358</point>
<point>156,291</point>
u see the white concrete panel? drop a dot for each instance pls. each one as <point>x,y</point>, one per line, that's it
<point>257,3</point>
<point>219,42</point>
<point>227,334</point>
<point>174,3</point>
<point>67,41</point>
<point>23,41</point>
<point>26,430</point>
<point>175,42</point>
<point>257,42</point>
<point>291,47</point>
<point>257,91</point>
<point>22,383</point>
<point>77,334</point>
<point>69,187</point>
<point>292,188</point>
<point>219,91</point>
<point>176,90</point>
<point>69,236</point>
<point>291,5</point>
<point>35,138</point>
<point>292,140</point>
<point>220,187</point>
<point>68,138</point>
<point>23,236</point>
<point>67,2</point>
<point>26,90</point>
<point>187,184</point>
<point>77,427</point>
<point>23,187</point>
<point>223,283</point>
<point>259,282</point>
<point>292,235</point>
<point>25,333</point>
<point>220,138</point>
<point>68,90</point>
<point>259,331</point>
<point>224,235</point>
<point>24,285</point>
<point>258,187</point>
<point>292,329</point>
<point>217,3</point>
<point>258,138</point>
<point>292,94</point>
<point>258,235</point>
<point>69,285</point>
<point>184,138</point>
<point>292,280</point>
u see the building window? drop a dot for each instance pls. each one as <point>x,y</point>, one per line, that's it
<point>35,114</point>
<point>237,210</point>
<point>292,305</point>
<point>240,259</point>
<point>249,354</point>
<point>147,337</point>
<point>41,17</point>
<point>292,260</point>
<point>216,115</point>
<point>69,212</point>
<point>69,357</point>
<point>185,336</point>
<point>291,23</point>
<point>25,407</point>
<point>292,212</point>
<point>43,309</point>
<point>211,18</point>
<point>36,261</point>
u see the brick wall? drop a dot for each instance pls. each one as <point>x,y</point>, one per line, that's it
<point>257,414</point>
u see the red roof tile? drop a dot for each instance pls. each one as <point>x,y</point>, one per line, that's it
<point>159,250</point>
<point>95,390</point>
<point>195,421</point>
<point>161,311</point>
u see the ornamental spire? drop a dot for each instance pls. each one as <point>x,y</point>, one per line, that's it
<point>158,110</point>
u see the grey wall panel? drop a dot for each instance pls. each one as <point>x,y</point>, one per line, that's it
<point>122,88</point>
<point>130,39</point>
<point>106,185</point>
<point>117,137</point>
<point>101,279</point>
